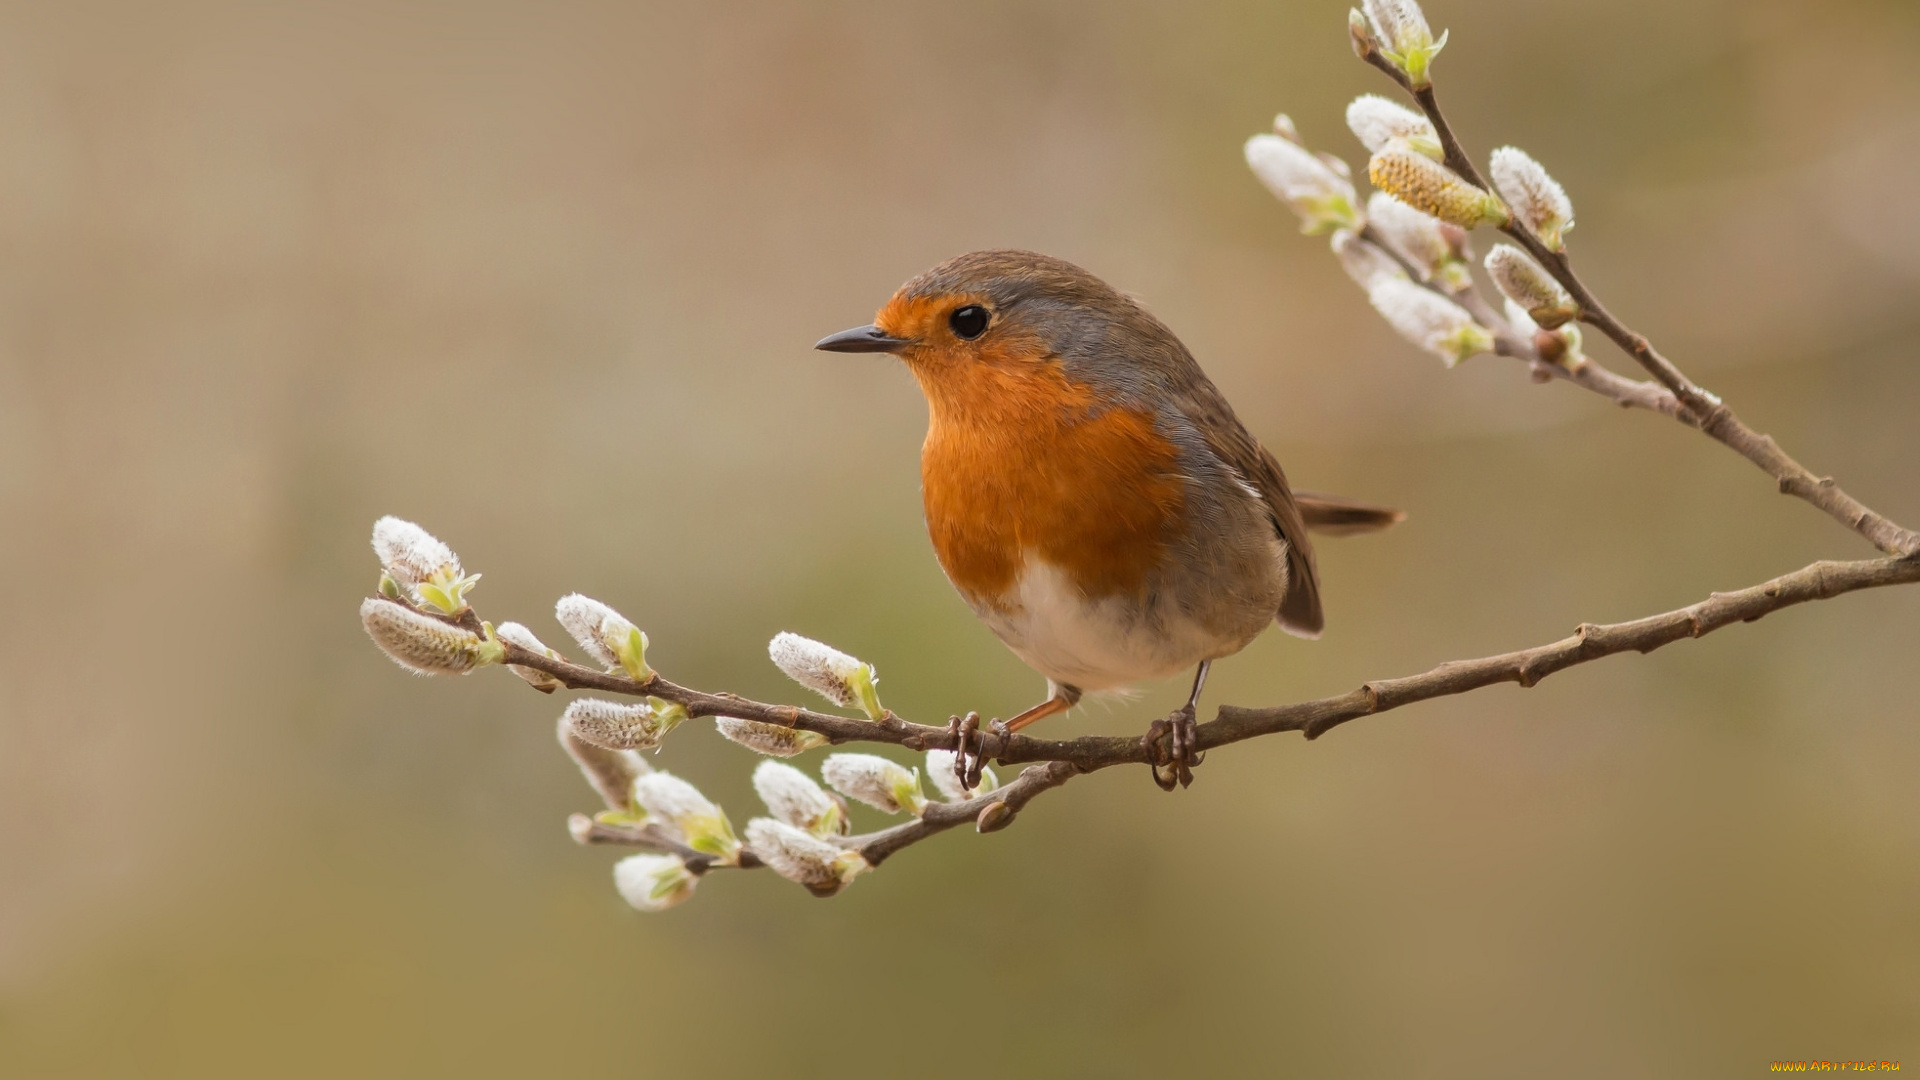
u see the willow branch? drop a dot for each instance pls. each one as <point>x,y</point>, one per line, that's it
<point>586,830</point>
<point>1818,581</point>
<point>1057,761</point>
<point>1697,407</point>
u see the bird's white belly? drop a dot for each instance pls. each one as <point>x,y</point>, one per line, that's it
<point>1096,644</point>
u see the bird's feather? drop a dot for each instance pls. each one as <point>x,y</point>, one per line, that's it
<point>1337,515</point>
<point>1300,613</point>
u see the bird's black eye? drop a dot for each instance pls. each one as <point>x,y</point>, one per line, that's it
<point>969,322</point>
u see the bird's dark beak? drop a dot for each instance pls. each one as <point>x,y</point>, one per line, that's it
<point>861,339</point>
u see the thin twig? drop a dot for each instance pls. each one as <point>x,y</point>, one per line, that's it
<point>1581,371</point>
<point>990,812</point>
<point>1698,408</point>
<point>1627,393</point>
<point>586,830</point>
<point>1819,581</point>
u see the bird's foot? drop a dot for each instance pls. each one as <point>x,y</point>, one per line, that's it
<point>1171,752</point>
<point>970,747</point>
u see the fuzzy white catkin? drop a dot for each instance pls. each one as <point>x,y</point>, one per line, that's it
<point>671,799</point>
<point>410,553</point>
<point>653,882</point>
<point>615,725</point>
<point>1293,173</point>
<point>940,770</point>
<point>1429,320</point>
<point>610,772</point>
<point>1526,283</point>
<point>1523,323</point>
<point>678,808</point>
<point>523,637</point>
<point>1421,239</point>
<point>585,620</point>
<point>1365,261</point>
<point>798,855</point>
<point>1375,121</point>
<point>580,827</point>
<point>876,781</point>
<point>817,666</point>
<point>1536,198</point>
<point>421,644</point>
<point>773,740</point>
<point>1400,22</point>
<point>794,798</point>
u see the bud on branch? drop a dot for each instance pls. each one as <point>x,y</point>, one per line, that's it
<point>828,672</point>
<point>1430,320</point>
<point>616,725</point>
<point>1364,261</point>
<point>1376,122</point>
<point>605,634</point>
<point>1322,197</point>
<point>1530,287</point>
<point>799,856</point>
<point>794,798</point>
<point>423,644</point>
<point>876,781</point>
<point>1436,249</point>
<point>1537,199</point>
<point>653,882</point>
<point>426,570</point>
<point>1432,188</point>
<point>609,772</point>
<point>678,807</point>
<point>1401,34</point>
<point>769,739</point>
<point>519,635</point>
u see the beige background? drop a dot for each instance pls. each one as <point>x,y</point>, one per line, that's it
<point>543,277</point>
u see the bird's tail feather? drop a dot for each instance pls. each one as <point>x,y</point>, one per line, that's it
<point>1337,516</point>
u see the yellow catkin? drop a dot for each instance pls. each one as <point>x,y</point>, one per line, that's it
<point>1432,188</point>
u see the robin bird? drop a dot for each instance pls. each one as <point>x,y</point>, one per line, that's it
<point>1090,492</point>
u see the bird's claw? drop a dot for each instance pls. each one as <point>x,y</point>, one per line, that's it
<point>969,747</point>
<point>1170,749</point>
<point>963,731</point>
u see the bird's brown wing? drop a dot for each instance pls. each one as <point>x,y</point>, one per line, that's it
<point>1299,612</point>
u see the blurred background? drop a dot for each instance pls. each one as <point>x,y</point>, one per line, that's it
<point>544,277</point>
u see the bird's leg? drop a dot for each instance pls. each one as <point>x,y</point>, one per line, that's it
<point>969,750</point>
<point>1176,765</point>
<point>1064,698</point>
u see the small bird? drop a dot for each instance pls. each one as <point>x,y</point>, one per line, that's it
<point>1090,492</point>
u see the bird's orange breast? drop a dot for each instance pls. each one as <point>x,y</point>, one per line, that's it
<point>1020,460</point>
